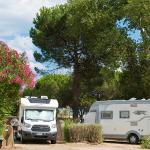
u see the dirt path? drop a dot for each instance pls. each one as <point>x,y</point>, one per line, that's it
<point>77,146</point>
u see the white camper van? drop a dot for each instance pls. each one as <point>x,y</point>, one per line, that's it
<point>37,119</point>
<point>121,119</point>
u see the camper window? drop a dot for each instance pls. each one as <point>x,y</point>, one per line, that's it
<point>106,114</point>
<point>124,114</point>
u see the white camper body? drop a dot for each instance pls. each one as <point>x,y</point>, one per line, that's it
<point>121,119</point>
<point>37,119</point>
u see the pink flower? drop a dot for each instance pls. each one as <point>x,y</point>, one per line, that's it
<point>14,68</point>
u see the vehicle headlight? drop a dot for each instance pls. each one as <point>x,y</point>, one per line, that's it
<point>53,125</point>
<point>27,125</point>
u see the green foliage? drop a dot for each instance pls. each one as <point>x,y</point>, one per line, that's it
<point>86,100</point>
<point>78,35</point>
<point>110,86</point>
<point>67,124</point>
<point>1,128</point>
<point>55,86</point>
<point>86,35</point>
<point>14,73</point>
<point>145,143</point>
<point>90,133</point>
<point>9,95</point>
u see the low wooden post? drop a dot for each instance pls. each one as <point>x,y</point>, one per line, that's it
<point>8,139</point>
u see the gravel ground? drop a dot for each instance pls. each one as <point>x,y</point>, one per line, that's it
<point>77,146</point>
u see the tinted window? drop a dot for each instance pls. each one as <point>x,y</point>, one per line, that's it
<point>106,114</point>
<point>124,114</point>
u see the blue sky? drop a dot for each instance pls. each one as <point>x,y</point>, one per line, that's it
<point>16,18</point>
<point>133,34</point>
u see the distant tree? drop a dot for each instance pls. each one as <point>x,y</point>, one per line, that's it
<point>55,86</point>
<point>134,80</point>
<point>78,35</point>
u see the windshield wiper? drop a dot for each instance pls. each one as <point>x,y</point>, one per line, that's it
<point>29,119</point>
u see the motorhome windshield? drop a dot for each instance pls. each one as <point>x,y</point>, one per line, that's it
<point>39,114</point>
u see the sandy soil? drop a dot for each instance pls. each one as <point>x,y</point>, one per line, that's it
<point>76,146</point>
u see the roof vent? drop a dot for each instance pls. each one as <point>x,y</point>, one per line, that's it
<point>33,97</point>
<point>44,97</point>
<point>132,99</point>
<point>27,96</point>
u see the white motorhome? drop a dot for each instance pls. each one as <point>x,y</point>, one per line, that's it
<point>37,119</point>
<point>121,119</point>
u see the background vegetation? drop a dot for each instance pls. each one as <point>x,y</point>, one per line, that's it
<point>14,74</point>
<point>106,43</point>
<point>145,143</point>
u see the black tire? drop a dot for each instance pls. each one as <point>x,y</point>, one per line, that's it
<point>53,141</point>
<point>22,140</point>
<point>133,139</point>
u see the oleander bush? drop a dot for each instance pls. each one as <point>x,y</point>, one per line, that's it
<point>15,74</point>
<point>145,143</point>
<point>83,132</point>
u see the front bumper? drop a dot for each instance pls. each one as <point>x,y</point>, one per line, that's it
<point>38,135</point>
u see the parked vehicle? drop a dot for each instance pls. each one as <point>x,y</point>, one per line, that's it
<point>121,119</point>
<point>37,119</point>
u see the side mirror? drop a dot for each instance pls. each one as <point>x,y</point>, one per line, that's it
<point>22,120</point>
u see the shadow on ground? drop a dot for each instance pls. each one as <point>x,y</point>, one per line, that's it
<point>34,142</point>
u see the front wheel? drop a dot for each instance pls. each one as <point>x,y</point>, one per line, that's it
<point>22,140</point>
<point>133,139</point>
<point>53,141</point>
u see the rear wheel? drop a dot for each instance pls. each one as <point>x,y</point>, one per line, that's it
<point>133,139</point>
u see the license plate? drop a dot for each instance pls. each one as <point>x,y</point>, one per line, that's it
<point>39,134</point>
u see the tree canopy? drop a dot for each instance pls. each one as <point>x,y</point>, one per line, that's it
<point>95,38</point>
<point>55,86</point>
<point>77,35</point>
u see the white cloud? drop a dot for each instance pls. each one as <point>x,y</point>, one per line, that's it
<point>23,44</point>
<point>16,16</point>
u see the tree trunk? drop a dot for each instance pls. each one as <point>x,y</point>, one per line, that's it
<point>76,87</point>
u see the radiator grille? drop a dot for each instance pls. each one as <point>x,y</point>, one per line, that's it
<point>40,128</point>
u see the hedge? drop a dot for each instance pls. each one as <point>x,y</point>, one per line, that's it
<point>83,132</point>
<point>145,143</point>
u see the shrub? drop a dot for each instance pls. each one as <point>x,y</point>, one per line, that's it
<point>15,73</point>
<point>80,133</point>
<point>67,124</point>
<point>1,129</point>
<point>145,143</point>
<point>14,68</point>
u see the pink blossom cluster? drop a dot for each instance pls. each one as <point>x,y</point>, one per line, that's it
<point>14,68</point>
